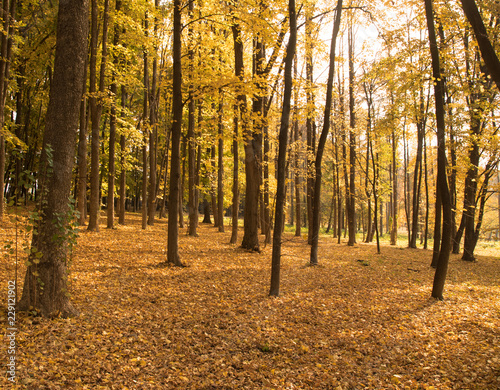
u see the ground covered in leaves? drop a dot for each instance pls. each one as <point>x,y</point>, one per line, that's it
<point>357,321</point>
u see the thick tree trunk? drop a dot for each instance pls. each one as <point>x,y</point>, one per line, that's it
<point>206,211</point>
<point>60,135</point>
<point>253,159</point>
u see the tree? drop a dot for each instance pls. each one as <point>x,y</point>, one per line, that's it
<point>351,199</point>
<point>239,117</point>
<point>175,160</point>
<point>45,284</point>
<point>487,51</point>
<point>322,140</point>
<point>96,107</point>
<point>8,15</point>
<point>283,144</point>
<point>442,182</point>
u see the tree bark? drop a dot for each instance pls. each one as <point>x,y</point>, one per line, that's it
<point>487,50</point>
<point>123,171</point>
<point>81,201</point>
<point>112,135</point>
<point>191,140</point>
<point>220,166</point>
<point>351,215</point>
<point>310,128</point>
<point>444,253</point>
<point>96,106</point>
<point>50,270</point>
<point>8,15</point>
<point>153,134</point>
<point>322,140</point>
<point>282,147</point>
<point>175,163</point>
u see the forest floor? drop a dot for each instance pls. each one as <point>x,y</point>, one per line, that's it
<point>357,321</point>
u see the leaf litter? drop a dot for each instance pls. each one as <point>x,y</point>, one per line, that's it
<point>357,321</point>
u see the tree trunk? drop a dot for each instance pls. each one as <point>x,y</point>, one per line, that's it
<point>8,16</point>
<point>50,270</point>
<point>123,171</point>
<point>220,167</point>
<point>175,163</point>
<point>253,160</point>
<point>309,122</point>
<point>296,158</point>
<point>487,50</point>
<point>191,140</point>
<point>96,106</point>
<point>213,184</point>
<point>112,135</point>
<point>322,140</point>
<point>352,146</point>
<point>417,174</point>
<point>394,210</point>
<point>239,113</point>
<point>444,254</point>
<point>283,143</point>
<point>206,211</point>
<point>81,201</point>
<point>426,180</point>
<point>153,133</point>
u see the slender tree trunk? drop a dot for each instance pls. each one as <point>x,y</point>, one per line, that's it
<point>94,163</point>
<point>487,50</point>
<point>82,156</point>
<point>444,254</point>
<point>180,208</point>
<point>352,146</point>
<point>266,213</point>
<point>175,164</point>
<point>123,169</point>
<point>220,166</point>
<point>309,120</point>
<point>426,179</point>
<point>60,134</point>
<point>112,136</point>
<point>8,16</point>
<point>417,179</point>
<point>153,133</point>
<point>282,147</point>
<point>235,190</point>
<point>213,186</point>
<point>394,211</point>
<point>322,139</point>
<point>191,140</point>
